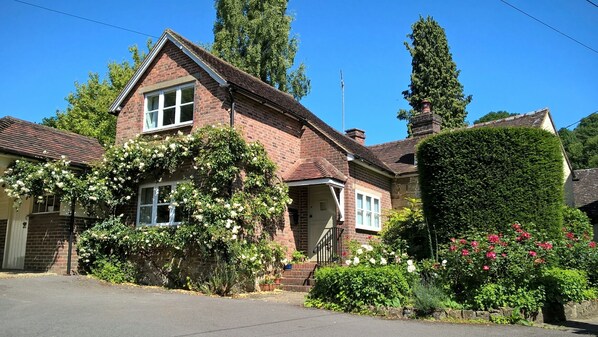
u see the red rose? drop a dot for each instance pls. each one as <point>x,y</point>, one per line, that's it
<point>486,268</point>
<point>464,252</point>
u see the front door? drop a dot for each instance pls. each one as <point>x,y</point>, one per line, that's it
<point>16,236</point>
<point>322,210</point>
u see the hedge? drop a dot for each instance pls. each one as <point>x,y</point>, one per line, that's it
<point>355,288</point>
<point>487,178</point>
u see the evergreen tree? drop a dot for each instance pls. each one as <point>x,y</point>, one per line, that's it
<point>87,110</point>
<point>434,76</point>
<point>254,36</point>
<point>581,144</point>
<point>493,115</point>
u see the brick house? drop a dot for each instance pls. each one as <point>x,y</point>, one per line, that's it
<point>586,194</point>
<point>334,180</point>
<point>339,186</point>
<point>36,235</point>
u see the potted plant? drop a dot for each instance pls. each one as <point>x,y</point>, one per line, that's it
<point>267,284</point>
<point>298,257</point>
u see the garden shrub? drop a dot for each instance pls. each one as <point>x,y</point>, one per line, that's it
<point>564,285</point>
<point>577,222</point>
<point>576,250</point>
<point>428,297</point>
<point>354,289</point>
<point>498,269</point>
<point>485,178</point>
<point>405,230</point>
<point>114,271</point>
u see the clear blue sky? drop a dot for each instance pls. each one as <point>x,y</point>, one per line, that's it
<point>507,60</point>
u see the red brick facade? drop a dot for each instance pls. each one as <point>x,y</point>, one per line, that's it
<point>47,242</point>
<point>286,138</point>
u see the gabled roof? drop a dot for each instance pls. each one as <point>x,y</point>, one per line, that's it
<point>226,74</point>
<point>585,187</point>
<point>22,138</point>
<point>314,168</point>
<point>400,155</point>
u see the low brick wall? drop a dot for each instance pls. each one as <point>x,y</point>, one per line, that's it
<point>549,314</point>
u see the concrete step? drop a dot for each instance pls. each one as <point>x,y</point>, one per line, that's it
<point>296,288</point>
<point>297,281</point>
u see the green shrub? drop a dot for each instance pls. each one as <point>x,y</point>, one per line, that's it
<point>223,280</point>
<point>564,285</point>
<point>486,178</point>
<point>114,271</point>
<point>577,222</point>
<point>428,297</point>
<point>353,289</point>
<point>495,296</point>
<point>406,230</point>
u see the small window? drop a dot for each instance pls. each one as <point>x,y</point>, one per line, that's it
<point>46,204</point>
<point>155,206</point>
<point>367,212</point>
<point>169,107</point>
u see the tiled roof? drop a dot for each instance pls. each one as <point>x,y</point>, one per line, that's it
<point>285,101</point>
<point>28,139</point>
<point>314,168</point>
<point>400,155</point>
<point>585,187</point>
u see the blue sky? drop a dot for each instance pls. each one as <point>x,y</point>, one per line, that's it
<point>507,60</point>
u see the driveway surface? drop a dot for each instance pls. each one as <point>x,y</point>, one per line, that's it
<point>78,306</point>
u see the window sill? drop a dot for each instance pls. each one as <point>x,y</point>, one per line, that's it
<point>166,128</point>
<point>369,229</point>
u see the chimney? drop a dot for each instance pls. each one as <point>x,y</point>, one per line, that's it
<point>357,135</point>
<point>426,123</point>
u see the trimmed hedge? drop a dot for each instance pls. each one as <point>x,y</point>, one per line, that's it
<point>564,285</point>
<point>355,288</point>
<point>487,178</point>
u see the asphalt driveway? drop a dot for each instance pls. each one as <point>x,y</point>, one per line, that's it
<point>78,306</point>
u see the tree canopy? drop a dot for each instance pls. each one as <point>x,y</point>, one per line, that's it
<point>255,37</point>
<point>434,76</point>
<point>87,110</point>
<point>581,143</point>
<point>494,115</point>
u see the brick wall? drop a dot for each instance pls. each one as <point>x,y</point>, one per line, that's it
<point>3,226</point>
<point>47,242</point>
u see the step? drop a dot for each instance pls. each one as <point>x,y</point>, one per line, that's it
<point>296,288</point>
<point>297,281</point>
<point>303,266</point>
<point>297,273</point>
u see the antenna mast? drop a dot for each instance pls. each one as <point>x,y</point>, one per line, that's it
<point>343,102</point>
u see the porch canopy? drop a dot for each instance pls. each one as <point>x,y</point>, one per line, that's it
<point>319,171</point>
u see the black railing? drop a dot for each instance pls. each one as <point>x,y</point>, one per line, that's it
<point>330,247</point>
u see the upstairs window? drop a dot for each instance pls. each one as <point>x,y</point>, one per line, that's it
<point>155,206</point>
<point>169,107</point>
<point>367,212</point>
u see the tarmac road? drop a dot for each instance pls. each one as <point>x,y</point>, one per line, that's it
<point>79,306</point>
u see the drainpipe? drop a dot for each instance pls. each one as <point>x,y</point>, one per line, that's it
<point>71,230</point>
<point>232,106</point>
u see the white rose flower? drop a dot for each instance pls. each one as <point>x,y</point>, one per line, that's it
<point>355,260</point>
<point>410,262</point>
<point>372,260</point>
<point>359,251</point>
<point>348,262</point>
<point>444,263</point>
<point>411,268</point>
<point>383,261</point>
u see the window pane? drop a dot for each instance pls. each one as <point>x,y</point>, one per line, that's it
<point>186,113</point>
<point>368,203</point>
<point>164,194</point>
<point>376,221</point>
<point>187,95</point>
<point>147,196</point>
<point>376,205</point>
<point>168,118</point>
<point>170,99</point>
<point>178,214</point>
<point>359,201</point>
<point>360,217</point>
<point>145,215</point>
<point>151,120</point>
<point>163,214</point>
<point>153,102</point>
<point>368,218</point>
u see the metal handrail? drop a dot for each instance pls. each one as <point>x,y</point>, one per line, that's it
<point>330,247</point>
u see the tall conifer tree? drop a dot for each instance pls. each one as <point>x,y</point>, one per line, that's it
<point>253,35</point>
<point>434,76</point>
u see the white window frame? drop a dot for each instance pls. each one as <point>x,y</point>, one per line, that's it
<point>371,226</point>
<point>160,111</point>
<point>155,204</point>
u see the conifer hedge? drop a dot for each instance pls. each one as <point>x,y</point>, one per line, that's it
<point>487,178</point>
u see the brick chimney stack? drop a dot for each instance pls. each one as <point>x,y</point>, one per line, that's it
<point>426,123</point>
<point>357,135</point>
